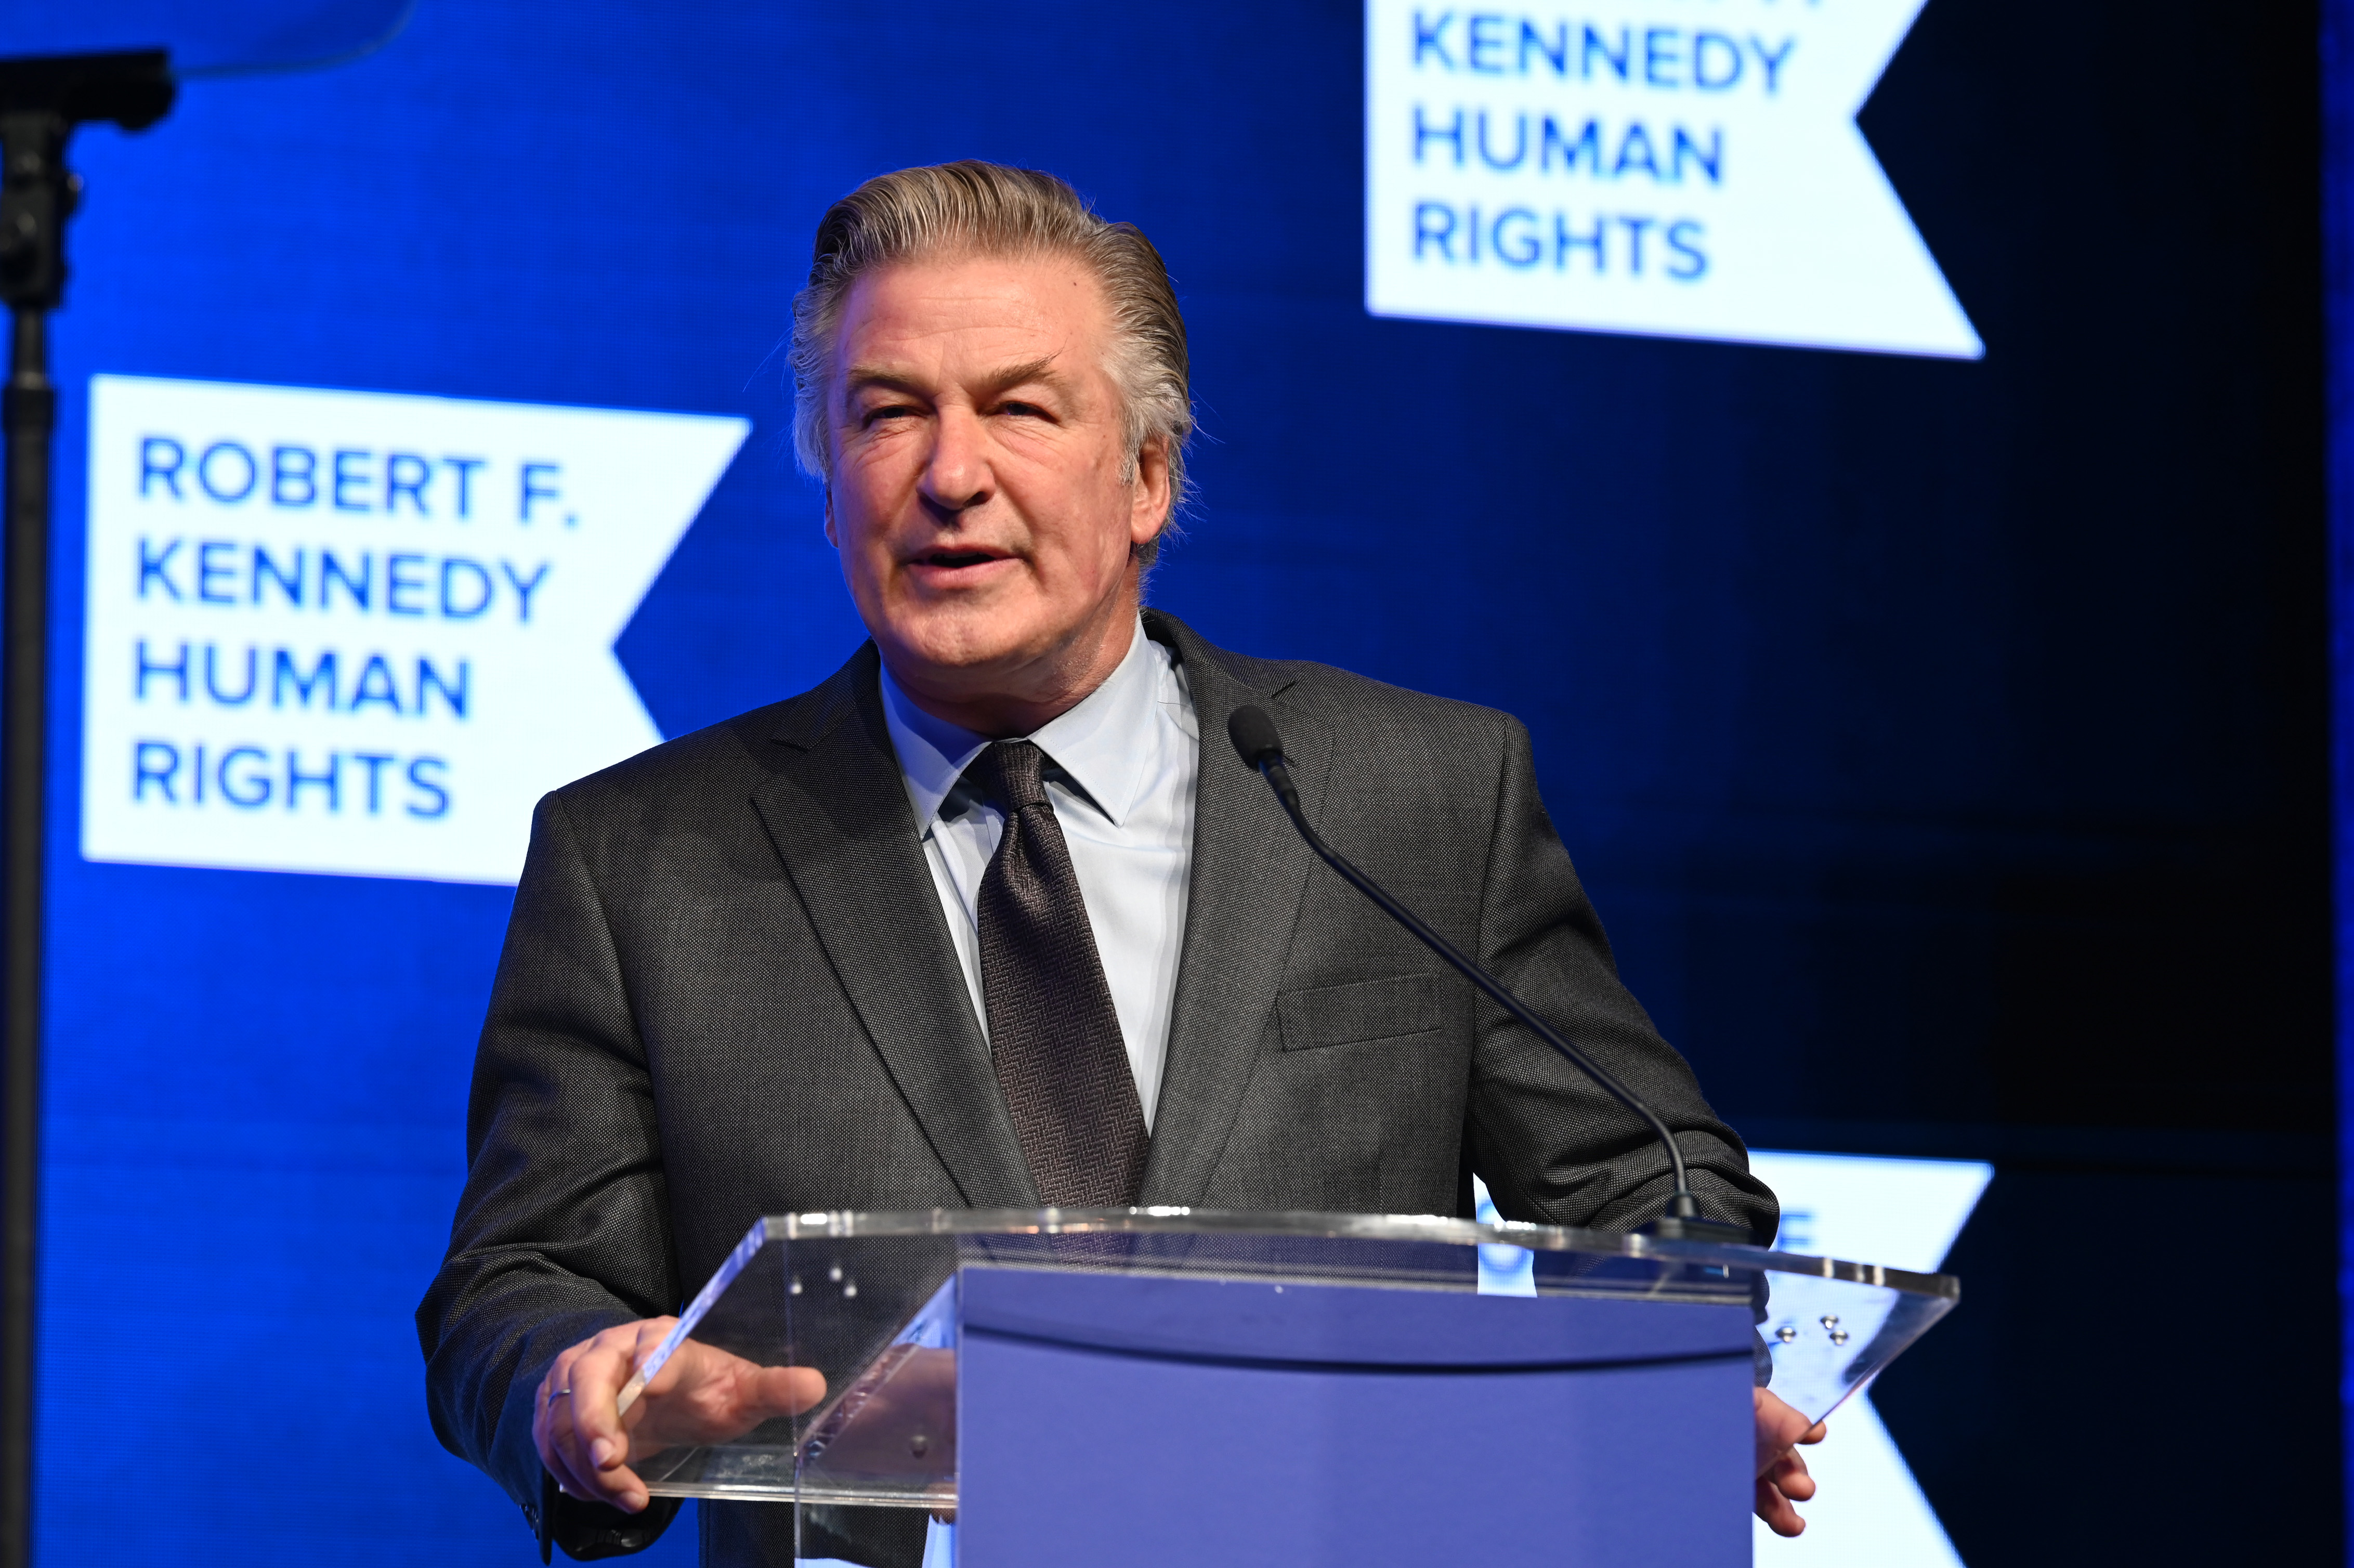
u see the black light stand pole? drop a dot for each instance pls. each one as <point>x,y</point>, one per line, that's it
<point>41,101</point>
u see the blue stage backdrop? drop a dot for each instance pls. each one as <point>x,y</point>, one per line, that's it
<point>1944,739</point>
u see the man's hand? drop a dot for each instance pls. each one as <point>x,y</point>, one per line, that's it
<point>1782,1478</point>
<point>701,1395</point>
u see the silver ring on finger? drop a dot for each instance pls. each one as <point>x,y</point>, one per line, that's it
<point>556,1393</point>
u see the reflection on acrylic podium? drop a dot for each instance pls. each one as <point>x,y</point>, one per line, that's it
<point>1174,1387</point>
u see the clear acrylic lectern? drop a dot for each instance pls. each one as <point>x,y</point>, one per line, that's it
<point>1181,1386</point>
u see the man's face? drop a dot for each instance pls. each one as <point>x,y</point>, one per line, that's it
<point>978,501</point>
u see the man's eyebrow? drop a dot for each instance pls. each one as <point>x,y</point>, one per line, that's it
<point>1040,370</point>
<point>864,375</point>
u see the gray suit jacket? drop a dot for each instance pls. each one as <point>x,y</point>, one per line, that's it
<point>727,990</point>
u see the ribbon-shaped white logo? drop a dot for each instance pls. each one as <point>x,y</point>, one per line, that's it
<point>1645,166</point>
<point>359,633</point>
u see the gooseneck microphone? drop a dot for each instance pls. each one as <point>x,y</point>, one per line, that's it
<point>1255,737</point>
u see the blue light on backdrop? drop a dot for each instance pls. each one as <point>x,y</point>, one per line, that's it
<point>1941,738</point>
<point>2338,209</point>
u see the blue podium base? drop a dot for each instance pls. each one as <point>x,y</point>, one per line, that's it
<point>1147,1421</point>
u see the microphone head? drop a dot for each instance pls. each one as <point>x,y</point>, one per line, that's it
<point>1254,736</point>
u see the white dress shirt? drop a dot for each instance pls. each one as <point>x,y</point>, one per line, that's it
<point>1120,774</point>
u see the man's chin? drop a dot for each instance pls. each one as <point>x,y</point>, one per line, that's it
<point>998,644</point>
<point>960,645</point>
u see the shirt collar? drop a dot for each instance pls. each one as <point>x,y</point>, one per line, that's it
<point>1101,744</point>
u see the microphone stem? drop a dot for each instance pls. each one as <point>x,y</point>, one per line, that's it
<point>1683,1204</point>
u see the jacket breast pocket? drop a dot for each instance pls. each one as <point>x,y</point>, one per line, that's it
<point>1366,1009</point>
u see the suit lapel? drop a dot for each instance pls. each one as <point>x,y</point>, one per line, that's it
<point>838,815</point>
<point>1250,871</point>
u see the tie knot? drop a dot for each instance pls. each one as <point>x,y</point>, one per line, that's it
<point>1010,775</point>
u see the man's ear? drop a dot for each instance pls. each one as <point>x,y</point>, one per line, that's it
<point>1149,499</point>
<point>832,537</point>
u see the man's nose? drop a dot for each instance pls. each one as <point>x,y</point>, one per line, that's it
<point>957,476</point>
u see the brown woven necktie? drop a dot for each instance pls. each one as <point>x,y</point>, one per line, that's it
<point>1052,1035</point>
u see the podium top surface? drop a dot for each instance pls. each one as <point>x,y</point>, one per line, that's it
<point>879,1304</point>
<point>1410,1230</point>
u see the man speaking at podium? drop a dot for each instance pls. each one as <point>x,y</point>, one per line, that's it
<point>994,917</point>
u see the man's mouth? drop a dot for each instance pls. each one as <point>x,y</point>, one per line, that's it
<point>947,559</point>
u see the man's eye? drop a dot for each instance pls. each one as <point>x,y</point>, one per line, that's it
<point>887,411</point>
<point>1026,410</point>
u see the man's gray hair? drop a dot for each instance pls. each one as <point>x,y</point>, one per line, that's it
<point>994,210</point>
